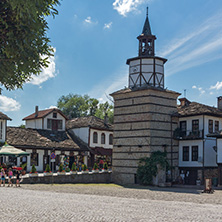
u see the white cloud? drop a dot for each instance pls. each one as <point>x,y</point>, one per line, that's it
<point>47,73</point>
<point>108,25</point>
<point>52,107</point>
<point>198,46</point>
<point>194,87</point>
<point>200,89</point>
<point>217,86</point>
<point>88,20</point>
<point>8,104</point>
<point>125,6</point>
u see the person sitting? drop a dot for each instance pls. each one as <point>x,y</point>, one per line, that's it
<point>2,177</point>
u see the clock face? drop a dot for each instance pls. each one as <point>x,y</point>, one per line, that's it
<point>134,69</point>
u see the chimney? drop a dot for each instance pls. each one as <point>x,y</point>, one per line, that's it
<point>36,111</point>
<point>184,102</point>
<point>106,119</point>
<point>219,102</point>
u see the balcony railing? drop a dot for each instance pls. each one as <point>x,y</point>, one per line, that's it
<point>187,135</point>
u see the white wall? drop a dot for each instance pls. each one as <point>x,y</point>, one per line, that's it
<point>34,124</point>
<point>219,150</point>
<point>206,122</point>
<point>82,133</point>
<point>99,144</point>
<point>3,131</point>
<point>190,143</point>
<point>59,117</point>
<point>210,156</point>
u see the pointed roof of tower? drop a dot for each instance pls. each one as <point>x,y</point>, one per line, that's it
<point>146,27</point>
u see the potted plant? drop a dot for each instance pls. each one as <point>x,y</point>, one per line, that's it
<point>85,169</point>
<point>105,167</point>
<point>73,169</point>
<point>61,170</point>
<point>48,171</point>
<point>33,171</point>
<point>95,168</point>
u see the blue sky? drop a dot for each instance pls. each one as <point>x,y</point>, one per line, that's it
<point>94,38</point>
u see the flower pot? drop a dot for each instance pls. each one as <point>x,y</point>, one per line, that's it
<point>33,174</point>
<point>61,173</point>
<point>73,172</point>
<point>95,171</point>
<point>48,174</point>
<point>85,172</point>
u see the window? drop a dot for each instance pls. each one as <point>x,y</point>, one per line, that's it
<point>1,130</point>
<point>194,153</point>
<point>195,125</point>
<point>103,138</point>
<point>185,153</point>
<point>110,139</point>
<point>216,126</point>
<point>49,124</point>
<point>54,115</point>
<point>59,124</point>
<point>183,127</point>
<point>210,126</point>
<point>34,158</point>
<point>95,137</point>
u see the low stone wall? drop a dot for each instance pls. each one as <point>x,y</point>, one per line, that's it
<point>102,177</point>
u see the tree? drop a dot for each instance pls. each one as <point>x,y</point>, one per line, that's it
<point>75,106</point>
<point>24,45</point>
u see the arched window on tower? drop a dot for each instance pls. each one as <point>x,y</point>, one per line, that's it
<point>95,137</point>
<point>103,138</point>
<point>110,139</point>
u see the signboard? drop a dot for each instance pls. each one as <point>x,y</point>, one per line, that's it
<point>53,156</point>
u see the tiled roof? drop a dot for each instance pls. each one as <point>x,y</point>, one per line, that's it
<point>43,113</point>
<point>195,108</point>
<point>128,90</point>
<point>3,116</point>
<point>36,138</point>
<point>88,121</point>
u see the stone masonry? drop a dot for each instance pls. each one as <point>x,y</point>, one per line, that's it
<point>142,124</point>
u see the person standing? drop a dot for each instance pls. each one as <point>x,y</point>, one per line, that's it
<point>10,175</point>
<point>18,178</point>
<point>2,177</point>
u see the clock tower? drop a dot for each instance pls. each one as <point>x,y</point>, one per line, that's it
<point>143,121</point>
<point>146,70</point>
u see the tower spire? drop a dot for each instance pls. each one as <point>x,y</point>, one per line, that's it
<point>146,28</point>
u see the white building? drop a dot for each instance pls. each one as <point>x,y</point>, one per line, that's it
<point>45,133</point>
<point>96,133</point>
<point>197,155</point>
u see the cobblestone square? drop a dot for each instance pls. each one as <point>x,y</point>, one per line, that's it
<point>107,203</point>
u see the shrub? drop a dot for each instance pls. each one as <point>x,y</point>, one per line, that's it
<point>147,168</point>
<point>95,167</point>
<point>24,165</point>
<point>105,166</point>
<point>67,169</point>
<point>60,168</point>
<point>74,168</point>
<point>84,167</point>
<point>47,169</point>
<point>33,169</point>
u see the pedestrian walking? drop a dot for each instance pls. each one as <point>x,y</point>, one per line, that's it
<point>2,177</point>
<point>18,175</point>
<point>10,175</point>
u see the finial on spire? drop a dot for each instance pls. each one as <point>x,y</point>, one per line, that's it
<point>146,11</point>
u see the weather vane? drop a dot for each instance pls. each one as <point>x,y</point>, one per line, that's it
<point>147,11</point>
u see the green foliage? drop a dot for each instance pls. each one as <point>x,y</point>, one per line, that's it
<point>47,169</point>
<point>74,168</point>
<point>105,166</point>
<point>60,168</point>
<point>33,170</point>
<point>24,45</point>
<point>24,165</point>
<point>22,126</point>
<point>95,167</point>
<point>74,106</point>
<point>147,168</point>
<point>84,167</point>
<point>67,169</point>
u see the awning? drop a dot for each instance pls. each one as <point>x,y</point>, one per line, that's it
<point>8,150</point>
<point>102,151</point>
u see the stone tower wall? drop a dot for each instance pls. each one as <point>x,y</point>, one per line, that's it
<point>142,124</point>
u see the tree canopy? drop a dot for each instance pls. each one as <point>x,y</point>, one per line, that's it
<point>74,105</point>
<point>24,45</point>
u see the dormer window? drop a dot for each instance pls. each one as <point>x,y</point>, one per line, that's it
<point>54,115</point>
